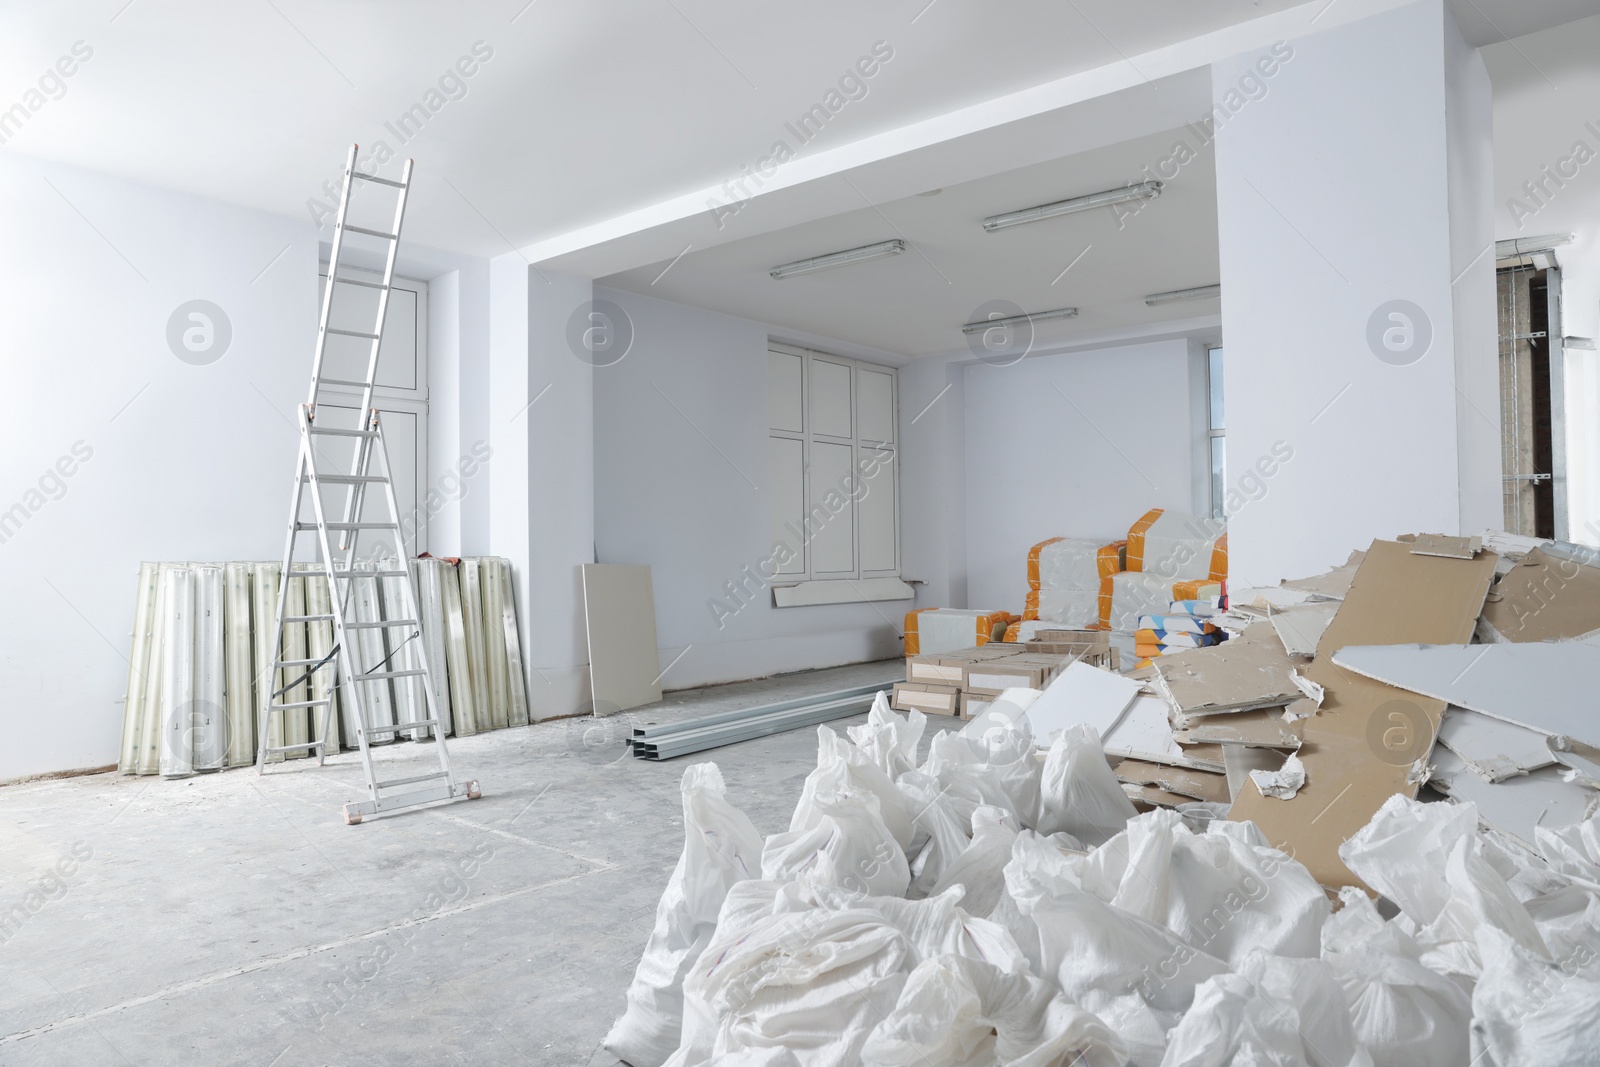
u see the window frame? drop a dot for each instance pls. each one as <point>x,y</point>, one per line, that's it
<point>1216,433</point>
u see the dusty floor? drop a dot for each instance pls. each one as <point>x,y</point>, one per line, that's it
<point>235,919</point>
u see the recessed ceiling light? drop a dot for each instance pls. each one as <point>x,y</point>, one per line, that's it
<point>1141,191</point>
<point>1018,320</point>
<point>864,254</point>
<point>1203,292</point>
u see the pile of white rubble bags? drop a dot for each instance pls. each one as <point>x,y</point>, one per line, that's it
<point>1005,905</point>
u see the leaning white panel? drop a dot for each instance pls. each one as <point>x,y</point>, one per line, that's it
<point>149,757</point>
<point>463,705</point>
<point>426,573</point>
<point>517,685</point>
<point>264,607</point>
<point>488,717</point>
<point>238,664</point>
<point>296,721</point>
<point>404,651</point>
<point>494,639</point>
<point>208,729</point>
<point>324,683</point>
<point>133,707</point>
<point>368,653</point>
<point>177,673</point>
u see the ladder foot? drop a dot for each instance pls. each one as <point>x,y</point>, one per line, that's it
<point>473,792</point>
<point>351,818</point>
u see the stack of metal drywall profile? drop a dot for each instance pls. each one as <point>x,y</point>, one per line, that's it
<point>664,741</point>
<point>201,650</point>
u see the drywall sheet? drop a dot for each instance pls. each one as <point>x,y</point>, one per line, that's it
<point>1360,748</point>
<point>1446,545</point>
<point>1333,585</point>
<point>1516,805</point>
<point>1152,796</point>
<point>1263,728</point>
<point>1250,671</point>
<point>1300,628</point>
<point>1546,687</point>
<point>1144,733</point>
<point>1193,784</point>
<point>1081,694</point>
<point>1544,598</point>
<point>620,606</point>
<point>1494,749</point>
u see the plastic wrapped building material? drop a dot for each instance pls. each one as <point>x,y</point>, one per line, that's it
<point>464,697</point>
<point>264,613</point>
<point>403,651</point>
<point>493,591</point>
<point>177,673</point>
<point>517,683</point>
<point>430,574</point>
<point>207,714</point>
<point>370,650</point>
<point>1175,546</point>
<point>238,660</point>
<point>144,626</point>
<point>470,574</point>
<point>325,681</point>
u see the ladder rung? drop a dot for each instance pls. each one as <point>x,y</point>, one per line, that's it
<point>329,431</point>
<point>305,618</point>
<point>352,574</point>
<point>350,526</point>
<point>409,781</point>
<point>345,479</point>
<point>354,333</point>
<point>378,676</point>
<point>397,728</point>
<point>294,748</point>
<point>349,383</point>
<point>375,178</point>
<point>302,662</point>
<point>358,281</point>
<point>372,233</point>
<point>388,623</point>
<point>299,704</point>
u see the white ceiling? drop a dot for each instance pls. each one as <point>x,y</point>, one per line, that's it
<point>585,111</point>
<point>915,303</point>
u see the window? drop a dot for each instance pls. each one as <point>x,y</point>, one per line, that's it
<point>401,391</point>
<point>1219,481</point>
<point>832,458</point>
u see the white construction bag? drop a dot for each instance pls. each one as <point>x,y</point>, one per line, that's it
<point>844,843</point>
<point>887,739</point>
<point>939,835</point>
<point>1528,1011</point>
<point>720,848</point>
<point>1078,793</point>
<point>844,768</point>
<point>1235,1024</point>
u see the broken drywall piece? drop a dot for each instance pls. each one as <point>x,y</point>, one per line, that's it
<point>1359,750</point>
<point>1582,763</point>
<point>1193,784</point>
<point>1283,783</point>
<point>1299,628</point>
<point>1144,733</point>
<point>1494,749</point>
<point>1082,693</point>
<point>1335,584</point>
<point>1314,693</point>
<point>1154,796</point>
<point>1548,687</point>
<point>1546,597</point>
<point>1517,805</point>
<point>1445,545</point>
<point>1251,671</point>
<point>1268,728</point>
<point>1420,771</point>
<point>1239,761</point>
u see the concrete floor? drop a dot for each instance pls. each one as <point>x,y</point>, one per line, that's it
<point>234,919</point>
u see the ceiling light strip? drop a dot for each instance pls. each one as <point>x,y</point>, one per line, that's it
<point>1019,320</point>
<point>1201,292</point>
<point>1140,191</point>
<point>864,254</point>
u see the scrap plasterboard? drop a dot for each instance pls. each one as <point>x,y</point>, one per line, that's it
<point>1299,628</point>
<point>620,608</point>
<point>1254,729</point>
<point>1153,796</point>
<point>1145,734</point>
<point>1332,585</point>
<point>1081,694</point>
<point>1445,545</point>
<point>1238,761</point>
<point>1546,687</point>
<point>1250,671</point>
<point>1196,785</point>
<point>1582,763</point>
<point>1544,598</point>
<point>1360,748</point>
<point>1517,805</point>
<point>1494,749</point>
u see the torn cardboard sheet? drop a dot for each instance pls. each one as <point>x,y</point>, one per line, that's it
<point>1299,628</point>
<point>1445,545</point>
<point>1283,783</point>
<point>1546,597</point>
<point>1254,729</point>
<point>1516,805</point>
<point>1495,750</point>
<point>1081,694</point>
<point>1547,687</point>
<point>1251,671</point>
<point>1144,733</point>
<point>1359,749</point>
<point>1192,784</point>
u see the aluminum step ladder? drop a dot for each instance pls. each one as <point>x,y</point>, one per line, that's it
<point>343,476</point>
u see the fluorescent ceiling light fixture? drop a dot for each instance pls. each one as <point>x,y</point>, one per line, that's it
<point>1141,191</point>
<point>1522,246</point>
<point>1203,292</point>
<point>1019,320</point>
<point>864,254</point>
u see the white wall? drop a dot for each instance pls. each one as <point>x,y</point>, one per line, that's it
<point>680,447</point>
<point>1074,445</point>
<point>1335,192</point>
<point>185,461</point>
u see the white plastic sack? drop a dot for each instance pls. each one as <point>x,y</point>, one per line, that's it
<point>980,869</point>
<point>1404,1014</point>
<point>1528,1011</point>
<point>939,833</point>
<point>887,739</point>
<point>843,768</point>
<point>1310,989</point>
<point>845,844</point>
<point>1078,793</point>
<point>720,849</point>
<point>958,1012</point>
<point>1234,1024</point>
<point>1071,563</point>
<point>994,768</point>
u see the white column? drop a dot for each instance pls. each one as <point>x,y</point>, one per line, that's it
<point>1354,185</point>
<point>541,506</point>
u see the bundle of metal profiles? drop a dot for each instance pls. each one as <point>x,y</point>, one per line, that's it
<point>664,741</point>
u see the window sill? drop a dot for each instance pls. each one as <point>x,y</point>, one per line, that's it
<point>840,591</point>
